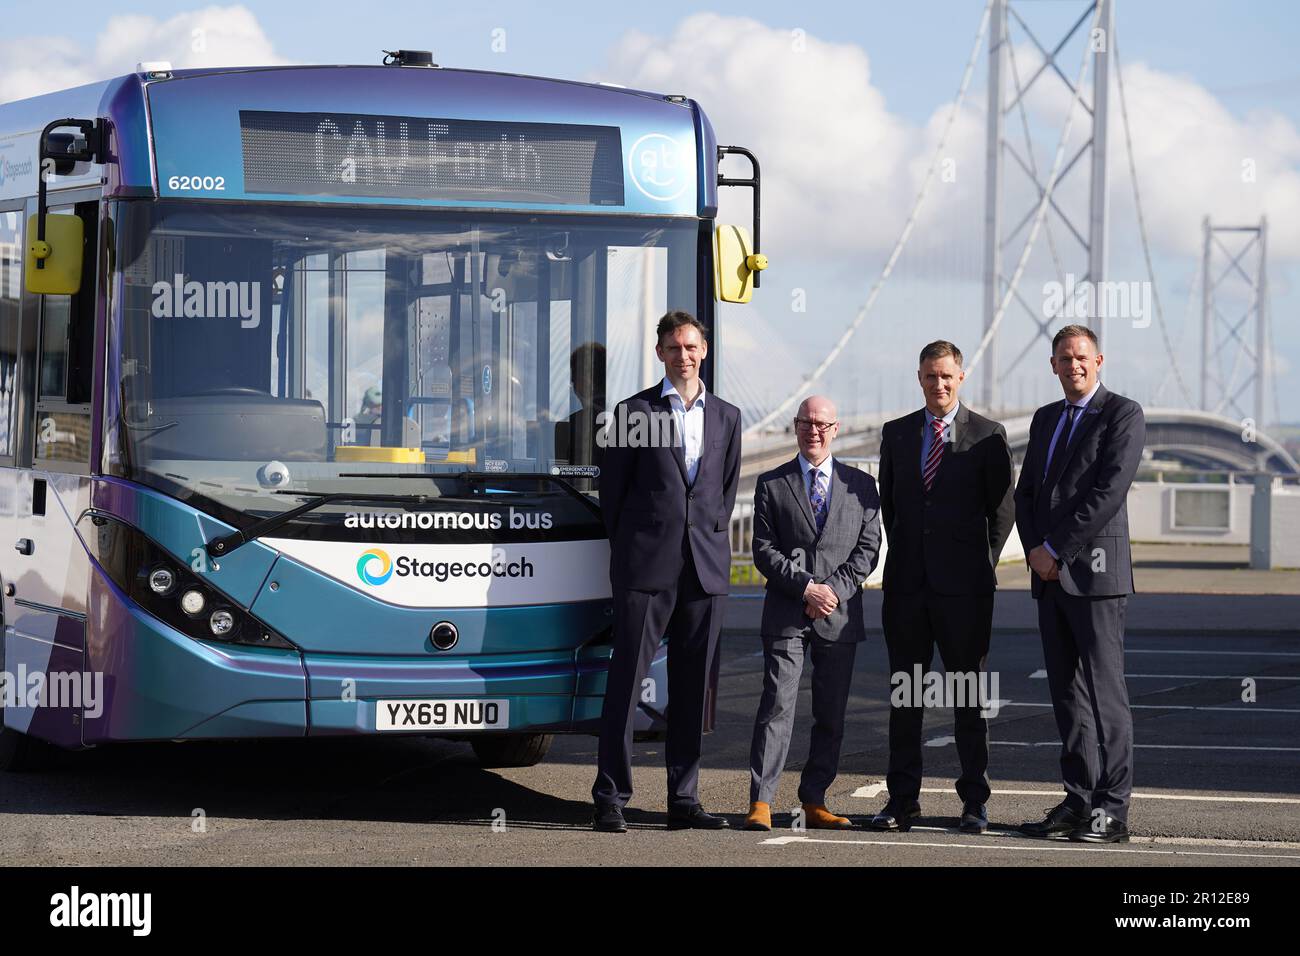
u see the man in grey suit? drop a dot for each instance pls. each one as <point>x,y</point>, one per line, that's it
<point>1073,520</point>
<point>816,539</point>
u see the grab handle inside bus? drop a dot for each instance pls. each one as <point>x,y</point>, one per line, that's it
<point>54,253</point>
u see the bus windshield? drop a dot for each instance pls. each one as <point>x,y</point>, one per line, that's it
<point>258,349</point>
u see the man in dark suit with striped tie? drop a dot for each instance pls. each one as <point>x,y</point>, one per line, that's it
<point>946,497</point>
<point>1072,516</point>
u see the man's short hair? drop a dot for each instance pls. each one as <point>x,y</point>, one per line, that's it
<point>939,349</point>
<point>1073,332</point>
<point>672,321</point>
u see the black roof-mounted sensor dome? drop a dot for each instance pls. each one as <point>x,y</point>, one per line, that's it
<point>408,58</point>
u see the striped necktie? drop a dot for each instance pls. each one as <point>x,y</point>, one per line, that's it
<point>936,454</point>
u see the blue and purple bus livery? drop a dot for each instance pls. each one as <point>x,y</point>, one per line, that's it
<point>301,378</point>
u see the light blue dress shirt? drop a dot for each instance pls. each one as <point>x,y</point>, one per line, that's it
<point>1082,405</point>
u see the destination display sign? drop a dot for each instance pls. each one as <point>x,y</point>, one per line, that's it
<point>349,154</point>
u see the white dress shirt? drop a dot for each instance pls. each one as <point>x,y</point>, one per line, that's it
<point>690,426</point>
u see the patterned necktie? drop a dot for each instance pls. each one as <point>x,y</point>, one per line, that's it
<point>1063,440</point>
<point>817,497</point>
<point>936,453</point>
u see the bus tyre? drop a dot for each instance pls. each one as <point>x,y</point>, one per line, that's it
<point>20,753</point>
<point>512,750</point>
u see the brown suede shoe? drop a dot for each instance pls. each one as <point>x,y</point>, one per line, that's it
<point>817,817</point>
<point>760,816</point>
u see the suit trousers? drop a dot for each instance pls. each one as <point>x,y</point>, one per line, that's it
<point>1083,650</point>
<point>960,624</point>
<point>783,658</point>
<point>691,619</point>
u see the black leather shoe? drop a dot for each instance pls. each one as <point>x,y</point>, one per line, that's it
<point>694,818</point>
<point>895,817</point>
<point>974,818</point>
<point>609,819</point>
<point>1105,829</point>
<point>1059,823</point>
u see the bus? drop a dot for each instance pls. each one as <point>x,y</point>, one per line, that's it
<point>302,378</point>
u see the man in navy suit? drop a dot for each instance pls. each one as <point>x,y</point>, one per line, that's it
<point>667,508</point>
<point>1073,521</point>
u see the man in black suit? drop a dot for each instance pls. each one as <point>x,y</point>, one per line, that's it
<point>667,508</point>
<point>946,496</point>
<point>1073,520</point>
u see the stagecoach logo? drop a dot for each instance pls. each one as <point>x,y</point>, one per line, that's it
<point>660,167</point>
<point>366,562</point>
<point>8,169</point>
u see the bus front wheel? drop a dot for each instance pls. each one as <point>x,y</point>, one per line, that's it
<point>512,750</point>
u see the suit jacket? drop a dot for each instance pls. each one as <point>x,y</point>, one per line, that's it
<point>648,507</point>
<point>952,536</point>
<point>1080,507</point>
<point>789,552</point>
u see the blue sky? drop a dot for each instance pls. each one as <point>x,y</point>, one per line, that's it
<point>1242,51</point>
<point>1238,58</point>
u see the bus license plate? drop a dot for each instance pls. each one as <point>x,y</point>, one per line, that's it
<point>442,715</point>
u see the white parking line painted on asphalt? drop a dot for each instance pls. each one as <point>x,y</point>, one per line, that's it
<point>871,790</point>
<point>944,741</point>
<point>1029,847</point>
<point>1293,677</point>
<point>875,789</point>
<point>1042,675</point>
<point>1242,710</point>
<point>1135,650</point>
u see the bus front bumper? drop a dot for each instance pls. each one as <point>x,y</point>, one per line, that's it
<point>160,684</point>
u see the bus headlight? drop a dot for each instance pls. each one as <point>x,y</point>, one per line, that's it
<point>168,590</point>
<point>161,581</point>
<point>192,603</point>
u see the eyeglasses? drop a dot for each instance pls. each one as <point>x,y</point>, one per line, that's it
<point>808,424</point>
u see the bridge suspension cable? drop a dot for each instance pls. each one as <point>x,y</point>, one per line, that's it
<point>835,351</point>
<point>1142,231</point>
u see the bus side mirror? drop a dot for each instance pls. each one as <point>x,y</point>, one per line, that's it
<point>734,264</point>
<point>53,265</point>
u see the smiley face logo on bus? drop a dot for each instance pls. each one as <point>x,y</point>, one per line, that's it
<point>660,167</point>
<point>366,562</point>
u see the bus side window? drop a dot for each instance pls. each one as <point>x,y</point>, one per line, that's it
<point>65,348</point>
<point>11,274</point>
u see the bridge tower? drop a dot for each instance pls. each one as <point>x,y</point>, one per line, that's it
<point>1221,391</point>
<point>1006,100</point>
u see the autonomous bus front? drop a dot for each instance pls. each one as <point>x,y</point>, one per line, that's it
<point>302,379</point>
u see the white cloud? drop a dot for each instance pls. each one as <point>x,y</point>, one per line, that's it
<point>841,171</point>
<point>826,140</point>
<point>212,36</point>
<point>1191,153</point>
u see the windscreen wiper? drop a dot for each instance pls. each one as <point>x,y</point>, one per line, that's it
<point>483,477</point>
<point>224,545</point>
